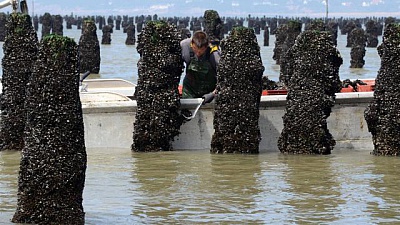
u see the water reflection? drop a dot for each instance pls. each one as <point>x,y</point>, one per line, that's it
<point>386,189</point>
<point>313,186</point>
<point>196,187</point>
<point>9,167</point>
<point>233,187</point>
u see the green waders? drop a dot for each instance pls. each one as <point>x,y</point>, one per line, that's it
<point>200,78</point>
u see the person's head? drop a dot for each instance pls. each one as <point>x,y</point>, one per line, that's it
<point>199,43</point>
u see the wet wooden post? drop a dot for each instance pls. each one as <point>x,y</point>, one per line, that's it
<point>240,86</point>
<point>383,113</point>
<point>20,50</point>
<point>53,161</point>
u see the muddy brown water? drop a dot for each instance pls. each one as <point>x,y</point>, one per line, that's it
<point>196,187</point>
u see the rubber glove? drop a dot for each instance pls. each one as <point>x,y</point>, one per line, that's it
<point>207,98</point>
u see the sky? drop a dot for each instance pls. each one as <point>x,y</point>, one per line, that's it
<point>312,8</point>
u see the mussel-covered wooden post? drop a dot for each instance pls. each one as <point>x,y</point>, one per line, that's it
<point>372,32</point>
<point>3,21</point>
<point>20,50</point>
<point>89,48</point>
<point>106,38</point>
<point>292,31</point>
<point>383,113</point>
<point>311,95</point>
<point>280,37</point>
<point>46,21</point>
<point>333,28</point>
<point>130,34</point>
<point>357,53</point>
<point>239,77</point>
<point>266,36</point>
<point>158,101</point>
<point>53,163</point>
<point>57,25</point>
<point>213,25</point>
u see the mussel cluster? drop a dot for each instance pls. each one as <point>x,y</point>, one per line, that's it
<point>311,95</point>
<point>57,25</point>
<point>357,53</point>
<point>20,50</point>
<point>106,38</point>
<point>158,101</point>
<point>372,30</point>
<point>293,30</point>
<point>89,48</point>
<point>185,33</point>
<point>3,21</point>
<point>130,34</point>
<point>333,28</point>
<point>213,25</point>
<point>53,161</point>
<point>46,21</point>
<point>240,85</point>
<point>280,37</point>
<point>383,113</point>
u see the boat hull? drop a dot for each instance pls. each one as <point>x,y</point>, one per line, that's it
<point>109,124</point>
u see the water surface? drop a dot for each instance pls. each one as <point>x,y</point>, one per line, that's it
<point>120,61</point>
<point>196,187</point>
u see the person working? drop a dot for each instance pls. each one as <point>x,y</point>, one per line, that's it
<point>201,61</point>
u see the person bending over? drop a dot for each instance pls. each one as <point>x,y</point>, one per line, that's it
<point>201,61</point>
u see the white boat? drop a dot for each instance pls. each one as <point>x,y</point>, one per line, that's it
<point>109,114</point>
<point>109,118</point>
<point>119,86</point>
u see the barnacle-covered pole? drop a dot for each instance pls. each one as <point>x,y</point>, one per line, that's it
<point>158,101</point>
<point>240,84</point>
<point>47,20</point>
<point>213,26</point>
<point>3,21</point>
<point>383,113</point>
<point>89,48</point>
<point>106,38</point>
<point>53,161</point>
<point>311,95</point>
<point>292,31</point>
<point>20,50</point>
<point>358,43</point>
<point>57,25</point>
